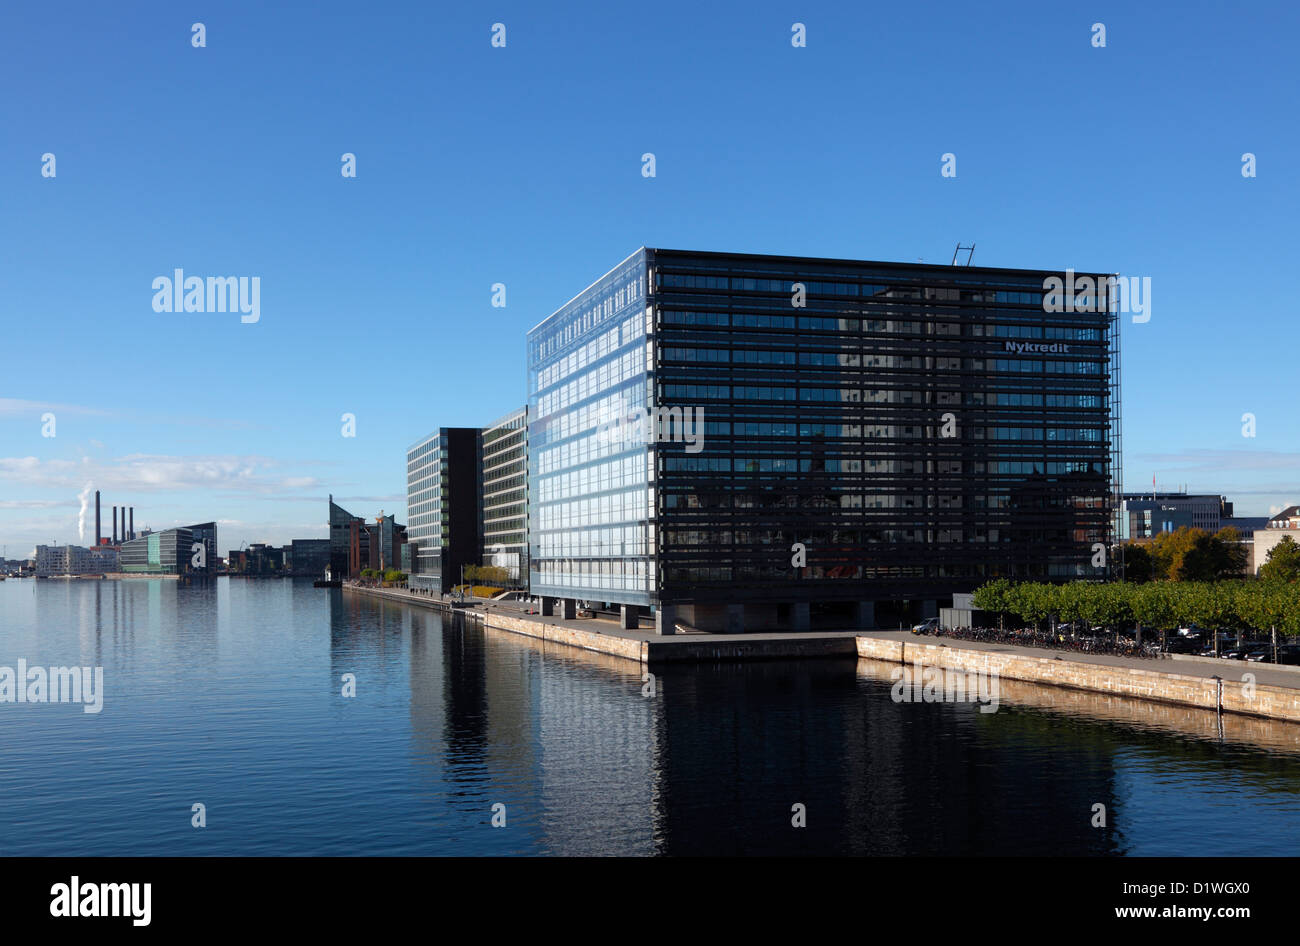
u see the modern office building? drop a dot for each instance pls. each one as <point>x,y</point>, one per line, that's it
<point>349,540</point>
<point>158,553</point>
<point>355,544</point>
<point>443,504</point>
<point>753,441</point>
<point>1146,515</point>
<point>308,558</point>
<point>190,551</point>
<point>504,477</point>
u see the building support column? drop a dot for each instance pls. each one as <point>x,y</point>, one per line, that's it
<point>800,616</point>
<point>665,619</point>
<point>548,606</point>
<point>568,608</point>
<point>628,617</point>
<point>735,618</point>
<point>864,616</point>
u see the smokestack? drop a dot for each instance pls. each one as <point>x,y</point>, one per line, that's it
<point>132,529</point>
<point>115,525</point>
<point>97,532</point>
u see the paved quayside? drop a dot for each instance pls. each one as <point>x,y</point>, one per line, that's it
<point>1219,686</point>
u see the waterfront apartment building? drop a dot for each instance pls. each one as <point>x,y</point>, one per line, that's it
<point>742,441</point>
<point>443,502</point>
<point>504,520</point>
<point>54,560</point>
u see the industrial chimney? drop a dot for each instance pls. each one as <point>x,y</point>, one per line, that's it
<point>115,525</point>
<point>131,531</point>
<point>97,532</point>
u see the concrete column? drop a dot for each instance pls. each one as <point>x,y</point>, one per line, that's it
<point>864,615</point>
<point>548,606</point>
<point>735,618</point>
<point>665,619</point>
<point>627,617</point>
<point>800,616</point>
<point>568,608</point>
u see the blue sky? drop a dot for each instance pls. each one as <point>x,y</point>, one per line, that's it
<point>521,165</point>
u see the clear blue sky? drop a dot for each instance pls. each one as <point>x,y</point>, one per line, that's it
<point>522,165</point>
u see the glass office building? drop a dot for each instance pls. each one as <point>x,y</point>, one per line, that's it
<point>867,432</point>
<point>504,446</point>
<point>173,552</point>
<point>158,553</point>
<point>590,491</point>
<point>443,501</point>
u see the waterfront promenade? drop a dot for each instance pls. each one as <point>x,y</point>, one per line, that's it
<point>1227,686</point>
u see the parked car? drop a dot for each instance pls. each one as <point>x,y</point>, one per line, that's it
<point>1226,644</point>
<point>926,626</point>
<point>1182,645</point>
<point>1238,651</point>
<point>1286,654</point>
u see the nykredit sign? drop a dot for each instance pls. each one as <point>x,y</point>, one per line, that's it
<point>1034,348</point>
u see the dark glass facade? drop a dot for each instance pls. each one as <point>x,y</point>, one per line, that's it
<point>443,506</point>
<point>914,429</point>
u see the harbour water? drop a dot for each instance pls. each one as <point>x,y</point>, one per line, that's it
<point>230,695</point>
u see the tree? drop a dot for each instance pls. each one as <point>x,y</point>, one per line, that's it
<point>1283,561</point>
<point>1152,605</point>
<point>1188,554</point>
<point>1138,566</point>
<point>993,596</point>
<point>1264,604</point>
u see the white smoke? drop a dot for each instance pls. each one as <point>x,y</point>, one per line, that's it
<point>84,496</point>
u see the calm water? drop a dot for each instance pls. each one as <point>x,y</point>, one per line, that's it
<point>229,695</point>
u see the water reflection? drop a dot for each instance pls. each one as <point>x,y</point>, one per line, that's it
<point>231,692</point>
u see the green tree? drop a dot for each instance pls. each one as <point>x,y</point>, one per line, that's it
<point>1138,565</point>
<point>993,596</point>
<point>1152,606</point>
<point>1283,562</point>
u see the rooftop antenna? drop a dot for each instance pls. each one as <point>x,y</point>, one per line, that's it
<point>969,256</point>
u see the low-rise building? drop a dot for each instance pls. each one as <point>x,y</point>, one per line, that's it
<point>1285,523</point>
<point>75,560</point>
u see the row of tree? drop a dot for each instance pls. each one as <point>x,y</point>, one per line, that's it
<point>1188,554</point>
<point>390,575</point>
<point>1250,605</point>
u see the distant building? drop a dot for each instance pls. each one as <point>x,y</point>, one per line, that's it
<point>1285,523</point>
<point>75,560</point>
<point>187,550</point>
<point>1146,515</point>
<point>355,544</point>
<point>308,558</point>
<point>443,502</point>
